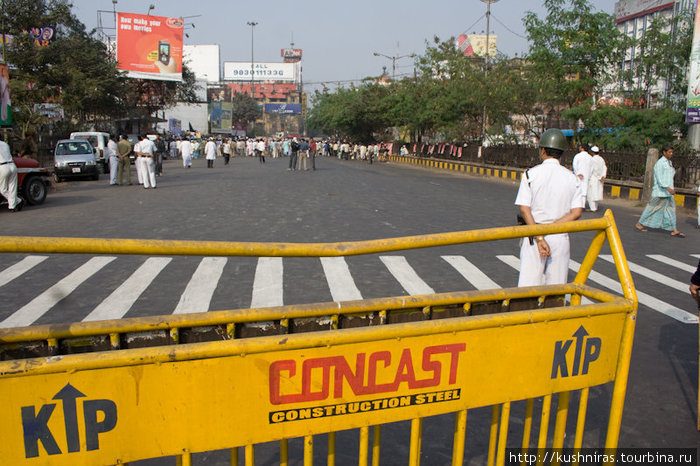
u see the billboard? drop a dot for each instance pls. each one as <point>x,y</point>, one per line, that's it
<point>220,114</point>
<point>291,55</point>
<point>203,61</point>
<point>241,71</point>
<point>692,114</point>
<point>474,45</point>
<point>283,109</point>
<point>150,47</point>
<point>5,103</point>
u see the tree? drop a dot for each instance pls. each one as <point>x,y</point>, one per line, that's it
<point>245,109</point>
<point>574,53</point>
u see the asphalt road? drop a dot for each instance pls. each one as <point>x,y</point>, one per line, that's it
<point>347,201</point>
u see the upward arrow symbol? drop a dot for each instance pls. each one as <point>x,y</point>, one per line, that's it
<point>69,395</point>
<point>580,334</point>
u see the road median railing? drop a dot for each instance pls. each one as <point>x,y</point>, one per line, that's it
<point>110,392</point>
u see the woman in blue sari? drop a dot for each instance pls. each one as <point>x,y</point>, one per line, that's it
<point>661,210</point>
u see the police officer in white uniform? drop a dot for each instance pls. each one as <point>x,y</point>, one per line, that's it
<point>8,178</point>
<point>549,193</point>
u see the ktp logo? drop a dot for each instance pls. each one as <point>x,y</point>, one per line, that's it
<point>587,350</point>
<point>99,416</point>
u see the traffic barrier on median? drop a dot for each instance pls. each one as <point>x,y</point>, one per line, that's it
<point>116,391</point>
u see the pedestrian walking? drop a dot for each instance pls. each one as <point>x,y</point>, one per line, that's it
<point>186,151</point>
<point>548,193</point>
<point>8,179</point>
<point>260,150</point>
<point>303,155</point>
<point>312,153</point>
<point>173,149</point>
<point>294,148</point>
<point>597,179</point>
<point>661,210</point>
<point>582,167</point>
<point>160,154</point>
<point>210,152</point>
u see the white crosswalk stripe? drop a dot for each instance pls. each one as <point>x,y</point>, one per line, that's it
<point>40,305</point>
<point>202,285</point>
<point>673,262</point>
<point>340,281</point>
<point>650,274</point>
<point>117,304</point>
<point>14,271</point>
<point>471,273</point>
<point>267,287</point>
<point>268,283</point>
<point>406,275</point>
<point>645,299</point>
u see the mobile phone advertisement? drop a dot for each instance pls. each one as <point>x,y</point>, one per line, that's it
<point>150,47</point>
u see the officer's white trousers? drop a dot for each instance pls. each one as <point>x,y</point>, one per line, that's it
<point>553,270</point>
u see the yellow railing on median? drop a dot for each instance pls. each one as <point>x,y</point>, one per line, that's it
<point>317,368</point>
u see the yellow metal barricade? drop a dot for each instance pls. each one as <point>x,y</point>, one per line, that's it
<point>116,391</point>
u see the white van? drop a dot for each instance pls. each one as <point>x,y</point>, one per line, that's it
<point>98,140</point>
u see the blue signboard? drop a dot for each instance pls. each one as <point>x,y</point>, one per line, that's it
<point>285,109</point>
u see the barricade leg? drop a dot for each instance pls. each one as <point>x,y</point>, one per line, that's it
<point>580,423</point>
<point>184,460</point>
<point>460,434</point>
<point>560,423</point>
<point>503,434</point>
<point>250,455</point>
<point>331,448</point>
<point>544,427</point>
<point>284,452</point>
<point>416,434</point>
<point>364,445</point>
<point>309,450</point>
<point>527,426</point>
<point>493,436</point>
<point>376,444</point>
<point>234,456</point>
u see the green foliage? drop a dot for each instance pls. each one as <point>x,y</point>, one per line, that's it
<point>245,109</point>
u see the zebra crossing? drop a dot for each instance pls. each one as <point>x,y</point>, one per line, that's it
<point>269,276</point>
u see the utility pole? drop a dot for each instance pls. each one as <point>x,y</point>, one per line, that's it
<point>486,64</point>
<point>252,25</point>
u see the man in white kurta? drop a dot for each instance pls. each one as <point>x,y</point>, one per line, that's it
<point>549,193</point>
<point>597,179</point>
<point>147,152</point>
<point>582,167</point>
<point>113,160</point>
<point>210,152</point>
<point>186,152</point>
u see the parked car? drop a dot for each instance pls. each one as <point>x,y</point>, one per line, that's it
<point>75,158</point>
<point>32,181</point>
<point>99,141</point>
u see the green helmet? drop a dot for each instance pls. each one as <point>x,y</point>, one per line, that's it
<point>553,139</point>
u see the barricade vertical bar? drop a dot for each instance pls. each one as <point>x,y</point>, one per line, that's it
<point>175,335</point>
<point>590,258</point>
<point>53,345</point>
<point>364,445</point>
<point>503,434</point>
<point>416,433</point>
<point>231,330</point>
<point>580,423</point>
<point>331,449</point>
<point>459,437</point>
<point>493,435</point>
<point>309,450</point>
<point>284,452</point>
<point>376,444</point>
<point>234,456</point>
<point>184,460</point>
<point>544,426</point>
<point>250,455</point>
<point>114,341</point>
<point>560,423</point>
<point>527,426</point>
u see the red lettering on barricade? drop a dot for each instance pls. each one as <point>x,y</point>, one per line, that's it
<point>402,371</point>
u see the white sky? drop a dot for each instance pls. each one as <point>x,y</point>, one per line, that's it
<point>337,38</point>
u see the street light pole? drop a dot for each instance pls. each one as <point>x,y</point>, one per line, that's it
<point>486,64</point>
<point>252,25</point>
<point>393,61</point>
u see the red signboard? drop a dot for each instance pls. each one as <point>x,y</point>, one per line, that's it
<point>150,47</point>
<point>266,90</point>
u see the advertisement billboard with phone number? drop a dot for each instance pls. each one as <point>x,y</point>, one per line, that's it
<point>150,47</point>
